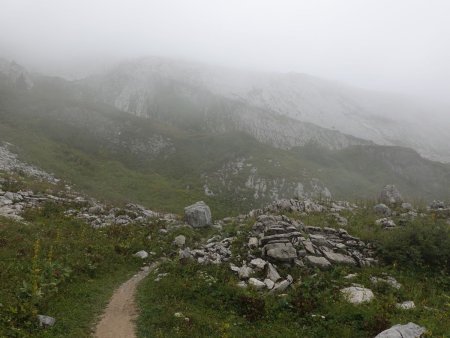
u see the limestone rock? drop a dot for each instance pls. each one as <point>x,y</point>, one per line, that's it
<point>391,196</point>
<point>357,294</point>
<point>179,241</point>
<point>283,252</point>
<point>319,262</point>
<point>198,215</point>
<point>141,254</point>
<point>409,330</point>
<point>256,283</point>
<point>46,320</point>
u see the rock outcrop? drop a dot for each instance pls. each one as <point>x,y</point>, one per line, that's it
<point>198,215</point>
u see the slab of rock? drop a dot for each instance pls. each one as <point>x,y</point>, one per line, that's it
<point>272,273</point>
<point>141,254</point>
<point>408,305</point>
<point>198,215</point>
<point>357,294</point>
<point>319,262</point>
<point>256,283</point>
<point>338,258</point>
<point>283,252</point>
<point>281,286</point>
<point>409,330</point>
<point>270,284</point>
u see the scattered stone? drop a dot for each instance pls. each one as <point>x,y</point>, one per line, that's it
<point>46,321</point>
<point>280,286</point>
<point>258,263</point>
<point>270,284</point>
<point>179,241</point>
<point>198,215</point>
<point>253,242</point>
<point>272,273</point>
<point>245,272</point>
<point>408,305</point>
<point>391,196</point>
<point>386,223</point>
<point>141,254</point>
<point>391,281</point>
<point>242,284</point>
<point>382,209</point>
<point>357,294</point>
<point>256,283</point>
<point>409,330</point>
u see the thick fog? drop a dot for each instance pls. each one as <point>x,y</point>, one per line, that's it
<point>400,46</point>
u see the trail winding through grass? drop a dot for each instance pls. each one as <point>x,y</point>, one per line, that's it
<point>118,320</point>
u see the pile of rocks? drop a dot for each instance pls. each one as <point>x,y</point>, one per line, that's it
<point>281,239</point>
<point>215,251</point>
<point>10,163</point>
<point>12,204</point>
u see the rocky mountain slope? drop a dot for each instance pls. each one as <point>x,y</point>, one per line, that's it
<point>180,153</point>
<point>284,110</point>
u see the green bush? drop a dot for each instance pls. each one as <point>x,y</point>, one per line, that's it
<point>423,244</point>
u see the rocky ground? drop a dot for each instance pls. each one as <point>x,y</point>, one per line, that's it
<point>274,240</point>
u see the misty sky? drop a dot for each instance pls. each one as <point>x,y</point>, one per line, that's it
<point>392,45</point>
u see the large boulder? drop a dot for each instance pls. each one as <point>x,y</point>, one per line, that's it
<point>391,196</point>
<point>198,215</point>
<point>382,209</point>
<point>409,330</point>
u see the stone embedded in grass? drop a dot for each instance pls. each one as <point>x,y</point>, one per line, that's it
<point>410,330</point>
<point>198,215</point>
<point>141,254</point>
<point>46,321</point>
<point>357,295</point>
<point>382,209</point>
<point>179,241</point>
<point>408,305</point>
<point>391,281</point>
<point>386,223</point>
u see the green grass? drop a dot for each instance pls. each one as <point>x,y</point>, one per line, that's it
<point>216,307</point>
<point>61,267</point>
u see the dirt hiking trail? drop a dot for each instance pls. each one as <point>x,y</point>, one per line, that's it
<point>118,320</point>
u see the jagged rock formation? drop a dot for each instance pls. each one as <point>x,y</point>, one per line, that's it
<point>284,110</point>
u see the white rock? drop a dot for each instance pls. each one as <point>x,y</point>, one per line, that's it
<point>272,273</point>
<point>253,242</point>
<point>409,330</point>
<point>179,241</point>
<point>408,305</point>
<point>46,320</point>
<point>256,283</point>
<point>357,295</point>
<point>258,263</point>
<point>141,254</point>
<point>245,272</point>
<point>270,284</point>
